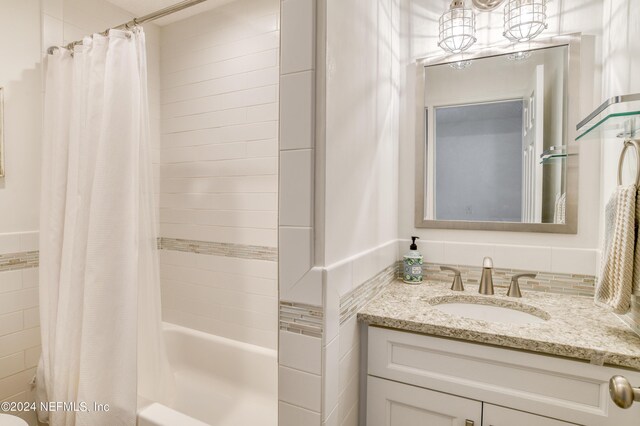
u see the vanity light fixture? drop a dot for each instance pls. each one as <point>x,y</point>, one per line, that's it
<point>524,19</point>
<point>457,29</point>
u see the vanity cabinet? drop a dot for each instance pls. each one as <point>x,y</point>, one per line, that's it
<point>397,404</point>
<point>494,415</point>
<point>416,379</point>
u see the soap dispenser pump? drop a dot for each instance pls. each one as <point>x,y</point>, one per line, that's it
<point>412,262</point>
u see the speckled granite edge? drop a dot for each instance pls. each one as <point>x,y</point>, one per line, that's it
<point>568,351</point>
<point>576,328</point>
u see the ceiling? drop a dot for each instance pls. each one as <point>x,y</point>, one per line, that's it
<point>143,7</point>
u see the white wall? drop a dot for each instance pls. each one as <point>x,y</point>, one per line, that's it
<point>361,143</point>
<point>20,76</point>
<point>561,253</point>
<point>219,173</point>
<point>360,169</point>
<point>621,61</point>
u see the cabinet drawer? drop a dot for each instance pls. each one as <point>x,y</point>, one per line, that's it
<point>560,388</point>
<point>396,404</point>
<point>492,415</point>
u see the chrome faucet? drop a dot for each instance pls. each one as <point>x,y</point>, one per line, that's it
<point>486,281</point>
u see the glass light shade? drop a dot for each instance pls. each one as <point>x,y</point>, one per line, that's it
<point>457,28</point>
<point>524,19</point>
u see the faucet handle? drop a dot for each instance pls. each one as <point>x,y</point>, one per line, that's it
<point>514,286</point>
<point>487,262</point>
<point>457,279</point>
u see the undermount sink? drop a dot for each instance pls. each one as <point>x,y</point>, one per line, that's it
<point>491,313</point>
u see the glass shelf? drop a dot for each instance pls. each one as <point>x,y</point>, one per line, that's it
<point>617,117</point>
<point>553,159</point>
<point>554,154</point>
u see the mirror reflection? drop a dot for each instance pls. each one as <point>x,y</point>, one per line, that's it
<point>495,138</point>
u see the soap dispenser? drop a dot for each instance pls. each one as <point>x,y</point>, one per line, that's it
<point>412,262</point>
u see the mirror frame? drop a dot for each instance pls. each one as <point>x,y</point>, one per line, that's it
<point>572,41</point>
<point>1,132</point>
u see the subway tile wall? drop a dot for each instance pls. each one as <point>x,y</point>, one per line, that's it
<point>19,317</point>
<point>348,286</point>
<point>301,366</point>
<point>219,171</point>
<point>230,297</point>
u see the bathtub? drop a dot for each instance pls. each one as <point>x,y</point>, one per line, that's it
<point>219,382</point>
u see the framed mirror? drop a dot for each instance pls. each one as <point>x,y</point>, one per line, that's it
<point>1,132</point>
<point>495,147</point>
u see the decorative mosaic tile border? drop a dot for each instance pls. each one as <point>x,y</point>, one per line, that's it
<point>355,300</point>
<point>549,282</point>
<point>22,260</point>
<point>219,249</point>
<point>302,319</point>
<point>29,259</point>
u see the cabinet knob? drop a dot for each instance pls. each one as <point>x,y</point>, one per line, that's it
<point>622,393</point>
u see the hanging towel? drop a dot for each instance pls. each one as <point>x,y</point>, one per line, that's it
<point>635,287</point>
<point>616,280</point>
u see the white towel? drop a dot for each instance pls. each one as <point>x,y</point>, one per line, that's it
<point>635,287</point>
<point>616,281</point>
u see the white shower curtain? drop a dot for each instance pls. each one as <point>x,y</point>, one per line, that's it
<point>99,278</point>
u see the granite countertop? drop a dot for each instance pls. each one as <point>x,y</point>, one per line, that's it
<point>574,326</point>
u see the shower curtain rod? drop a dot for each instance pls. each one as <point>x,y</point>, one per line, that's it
<point>137,21</point>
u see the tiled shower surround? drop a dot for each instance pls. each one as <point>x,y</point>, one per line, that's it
<point>22,260</point>
<point>218,183</point>
<point>220,289</point>
<point>220,249</point>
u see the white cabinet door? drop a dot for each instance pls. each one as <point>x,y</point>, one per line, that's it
<point>396,404</point>
<point>494,415</point>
